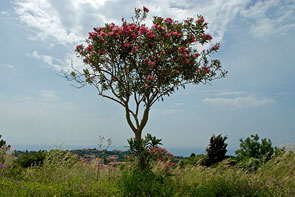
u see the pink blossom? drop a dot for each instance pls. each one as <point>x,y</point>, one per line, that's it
<point>174,33</point>
<point>127,44</point>
<point>207,36</point>
<point>89,48</point>
<point>145,9</point>
<point>215,47</point>
<point>85,59</point>
<point>133,35</point>
<point>101,33</point>
<point>133,50</point>
<point>100,51</point>
<point>151,35</point>
<point>177,71</point>
<point>196,55</point>
<point>149,77</point>
<point>168,20</point>
<point>92,35</point>
<point>78,48</point>
<point>164,53</point>
<point>143,30</point>
<point>193,39</point>
<point>205,69</point>
<point>151,62</point>
<point>187,61</point>
<point>200,21</point>
<point>116,28</point>
<point>146,85</point>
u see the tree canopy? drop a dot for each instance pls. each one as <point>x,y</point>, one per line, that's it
<point>133,61</point>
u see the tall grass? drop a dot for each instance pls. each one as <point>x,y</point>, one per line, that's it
<point>64,175</point>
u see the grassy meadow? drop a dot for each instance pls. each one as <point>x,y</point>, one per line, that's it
<point>63,174</point>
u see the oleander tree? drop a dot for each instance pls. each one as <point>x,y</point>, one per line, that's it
<point>136,65</point>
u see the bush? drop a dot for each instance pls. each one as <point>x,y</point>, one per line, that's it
<point>193,160</point>
<point>3,149</point>
<point>60,158</point>
<point>253,154</point>
<point>140,152</point>
<point>216,150</point>
<point>136,182</point>
<point>251,147</point>
<point>28,160</point>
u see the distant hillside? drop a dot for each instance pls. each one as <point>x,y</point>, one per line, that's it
<point>89,153</point>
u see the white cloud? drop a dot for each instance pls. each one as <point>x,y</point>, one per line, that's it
<point>40,14</point>
<point>4,13</point>
<point>218,13</point>
<point>41,96</point>
<point>226,93</point>
<point>270,17</point>
<point>179,104</point>
<point>9,66</point>
<point>46,59</point>
<point>67,22</point>
<point>48,95</point>
<point>66,65</point>
<point>238,102</point>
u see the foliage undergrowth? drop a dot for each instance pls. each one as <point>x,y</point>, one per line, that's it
<point>62,174</point>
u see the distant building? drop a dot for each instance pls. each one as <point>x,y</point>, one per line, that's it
<point>97,161</point>
<point>91,156</point>
<point>113,157</point>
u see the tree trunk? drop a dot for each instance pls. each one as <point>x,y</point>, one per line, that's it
<point>138,136</point>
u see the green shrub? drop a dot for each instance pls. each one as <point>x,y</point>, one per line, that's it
<point>28,160</point>
<point>60,158</point>
<point>253,154</point>
<point>136,182</point>
<point>251,147</point>
<point>3,148</point>
<point>194,160</point>
<point>140,151</point>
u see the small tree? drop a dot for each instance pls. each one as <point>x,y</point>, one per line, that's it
<point>136,65</point>
<point>3,149</point>
<point>216,150</point>
<point>252,148</point>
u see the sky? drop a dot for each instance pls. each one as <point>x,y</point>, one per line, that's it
<point>39,108</point>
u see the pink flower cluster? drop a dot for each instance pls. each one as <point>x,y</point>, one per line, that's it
<point>155,45</point>
<point>168,20</point>
<point>200,21</point>
<point>79,48</point>
<point>145,9</point>
<point>149,77</point>
<point>2,166</point>
<point>207,37</point>
<point>205,69</point>
<point>161,154</point>
<point>215,47</point>
<point>183,51</point>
